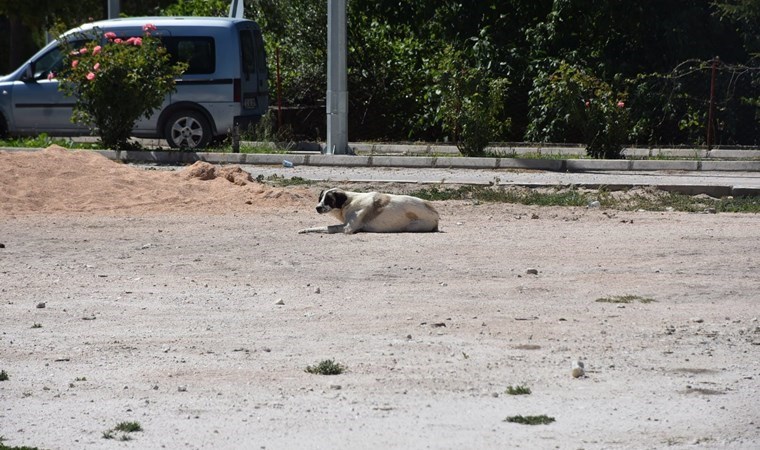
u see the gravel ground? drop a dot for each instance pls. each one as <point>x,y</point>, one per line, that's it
<point>196,315</point>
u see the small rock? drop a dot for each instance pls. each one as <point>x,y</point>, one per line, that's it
<point>279,302</point>
<point>534,216</point>
<point>182,389</point>
<point>336,387</point>
<point>532,271</point>
<point>317,291</point>
<point>697,320</point>
<point>41,305</point>
<point>594,204</point>
<point>2,245</point>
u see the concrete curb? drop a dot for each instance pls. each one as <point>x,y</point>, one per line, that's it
<point>447,162</point>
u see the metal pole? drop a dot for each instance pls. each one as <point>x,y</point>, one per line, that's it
<point>114,8</point>
<point>710,127</point>
<point>279,90</point>
<point>337,79</point>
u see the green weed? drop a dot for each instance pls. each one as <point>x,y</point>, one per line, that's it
<point>326,367</point>
<point>625,299</point>
<point>530,420</point>
<point>518,390</point>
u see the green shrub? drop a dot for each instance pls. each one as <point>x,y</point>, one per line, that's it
<point>472,105</point>
<point>569,102</point>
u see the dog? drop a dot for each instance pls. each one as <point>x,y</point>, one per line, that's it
<point>375,212</point>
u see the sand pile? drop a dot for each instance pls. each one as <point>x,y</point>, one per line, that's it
<point>63,181</point>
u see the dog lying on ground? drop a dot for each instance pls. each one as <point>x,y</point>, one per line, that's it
<point>375,212</point>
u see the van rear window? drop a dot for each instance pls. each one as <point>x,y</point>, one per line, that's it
<point>198,52</point>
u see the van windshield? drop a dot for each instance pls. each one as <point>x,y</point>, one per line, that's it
<point>52,61</point>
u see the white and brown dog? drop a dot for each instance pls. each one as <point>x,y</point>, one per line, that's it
<point>375,212</point>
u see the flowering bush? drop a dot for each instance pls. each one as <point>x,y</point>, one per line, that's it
<point>117,81</point>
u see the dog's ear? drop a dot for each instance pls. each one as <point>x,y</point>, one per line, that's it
<point>321,193</point>
<point>336,199</point>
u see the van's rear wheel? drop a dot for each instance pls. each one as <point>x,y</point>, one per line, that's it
<point>187,129</point>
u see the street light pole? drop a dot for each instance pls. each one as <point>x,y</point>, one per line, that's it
<point>114,8</point>
<point>337,84</point>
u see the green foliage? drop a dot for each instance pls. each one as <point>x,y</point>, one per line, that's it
<point>518,390</point>
<point>4,375</point>
<point>208,8</point>
<point>326,367</point>
<point>404,57</point>
<point>653,201</point>
<point>472,104</point>
<point>530,420</point>
<point>569,101</point>
<point>128,427</point>
<point>625,299</point>
<point>116,81</point>
<point>22,447</point>
<point>42,140</point>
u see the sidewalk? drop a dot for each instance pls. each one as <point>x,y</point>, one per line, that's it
<point>703,175</point>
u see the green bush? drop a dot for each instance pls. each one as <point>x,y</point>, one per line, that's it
<point>472,105</point>
<point>117,81</point>
<point>569,102</point>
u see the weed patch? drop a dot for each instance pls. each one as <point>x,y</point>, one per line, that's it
<point>625,299</point>
<point>281,181</point>
<point>518,390</point>
<point>121,431</point>
<point>326,367</point>
<point>530,420</point>
<point>631,200</point>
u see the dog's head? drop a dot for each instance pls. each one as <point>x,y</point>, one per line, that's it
<point>331,199</point>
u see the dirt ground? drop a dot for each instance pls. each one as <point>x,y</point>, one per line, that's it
<point>186,301</point>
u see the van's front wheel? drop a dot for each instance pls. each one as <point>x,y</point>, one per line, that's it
<point>187,129</point>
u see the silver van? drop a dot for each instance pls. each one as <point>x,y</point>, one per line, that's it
<point>225,84</point>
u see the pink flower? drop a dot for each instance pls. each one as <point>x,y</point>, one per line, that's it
<point>51,75</point>
<point>138,41</point>
<point>117,40</point>
<point>148,27</point>
<point>130,40</point>
<point>74,63</point>
<point>588,103</point>
<point>620,104</point>
<point>96,50</point>
<point>110,35</point>
<point>90,76</point>
<point>83,50</point>
<point>96,66</point>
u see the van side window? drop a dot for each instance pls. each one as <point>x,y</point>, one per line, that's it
<point>198,52</point>
<point>249,53</point>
